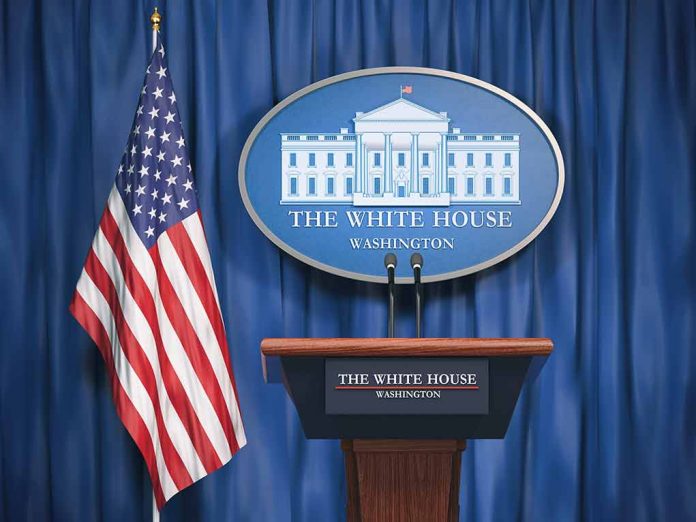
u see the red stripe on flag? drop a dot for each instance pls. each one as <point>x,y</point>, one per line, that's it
<point>137,359</point>
<point>124,407</point>
<point>194,349</point>
<point>196,272</point>
<point>177,394</point>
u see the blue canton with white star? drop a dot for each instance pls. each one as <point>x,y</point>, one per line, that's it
<point>154,177</point>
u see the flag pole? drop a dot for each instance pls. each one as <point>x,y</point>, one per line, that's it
<point>155,19</point>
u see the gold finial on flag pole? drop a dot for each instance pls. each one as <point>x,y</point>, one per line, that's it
<point>155,18</point>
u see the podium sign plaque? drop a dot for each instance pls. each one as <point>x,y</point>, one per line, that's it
<point>406,386</point>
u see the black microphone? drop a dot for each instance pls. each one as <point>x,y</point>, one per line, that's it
<point>390,265</point>
<point>417,265</point>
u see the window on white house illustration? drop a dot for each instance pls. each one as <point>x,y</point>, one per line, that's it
<point>426,185</point>
<point>508,159</point>
<point>349,186</point>
<point>312,159</point>
<point>378,185</point>
<point>401,159</point>
<point>330,186</point>
<point>489,186</point>
<point>450,159</point>
<point>293,186</point>
<point>489,159</point>
<point>293,159</point>
<point>507,186</point>
<point>469,159</point>
<point>349,159</point>
<point>311,186</point>
<point>451,186</point>
<point>470,186</point>
<point>330,159</point>
<point>426,159</point>
<point>378,159</point>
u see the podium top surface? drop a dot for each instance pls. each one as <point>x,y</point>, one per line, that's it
<point>405,347</point>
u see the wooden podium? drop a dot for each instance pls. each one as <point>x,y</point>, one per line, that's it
<point>403,465</point>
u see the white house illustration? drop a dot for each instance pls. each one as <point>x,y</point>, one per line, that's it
<point>401,154</point>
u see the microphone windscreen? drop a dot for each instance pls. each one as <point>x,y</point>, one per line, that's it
<point>390,260</point>
<point>416,259</point>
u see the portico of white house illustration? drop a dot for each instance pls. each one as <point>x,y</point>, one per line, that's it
<point>401,154</point>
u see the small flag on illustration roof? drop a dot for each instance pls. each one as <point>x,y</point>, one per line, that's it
<point>147,297</point>
<point>407,89</point>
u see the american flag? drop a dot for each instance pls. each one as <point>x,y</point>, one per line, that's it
<point>148,299</point>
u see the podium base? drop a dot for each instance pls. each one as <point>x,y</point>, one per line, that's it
<point>392,480</point>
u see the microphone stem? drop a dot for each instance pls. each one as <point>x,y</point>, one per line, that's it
<point>390,327</point>
<point>417,280</point>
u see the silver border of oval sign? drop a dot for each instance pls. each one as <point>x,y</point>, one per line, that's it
<point>400,70</point>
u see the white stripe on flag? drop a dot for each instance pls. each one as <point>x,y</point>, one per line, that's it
<point>130,381</point>
<point>181,363</point>
<point>194,228</point>
<point>189,299</point>
<point>143,334</point>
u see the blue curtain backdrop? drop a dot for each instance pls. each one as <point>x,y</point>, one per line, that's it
<point>607,432</point>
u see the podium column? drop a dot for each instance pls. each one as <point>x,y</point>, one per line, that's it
<point>396,480</point>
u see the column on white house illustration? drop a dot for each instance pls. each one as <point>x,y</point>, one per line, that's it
<point>388,185</point>
<point>358,164</point>
<point>415,179</point>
